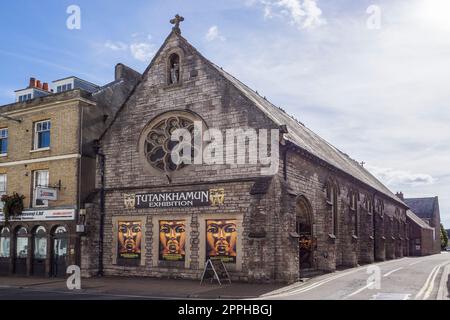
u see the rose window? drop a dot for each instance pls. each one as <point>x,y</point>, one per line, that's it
<point>158,145</point>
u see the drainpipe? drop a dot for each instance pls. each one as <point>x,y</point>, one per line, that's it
<point>101,158</point>
<point>374,223</point>
<point>285,163</point>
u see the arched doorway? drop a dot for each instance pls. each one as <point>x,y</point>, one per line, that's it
<point>39,251</point>
<point>59,252</point>
<point>21,254</point>
<point>304,230</point>
<point>5,251</point>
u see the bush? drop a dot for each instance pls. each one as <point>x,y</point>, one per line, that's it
<point>13,205</point>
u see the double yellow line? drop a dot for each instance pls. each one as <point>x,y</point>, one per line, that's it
<point>428,287</point>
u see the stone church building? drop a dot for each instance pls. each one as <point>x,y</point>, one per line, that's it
<point>321,210</point>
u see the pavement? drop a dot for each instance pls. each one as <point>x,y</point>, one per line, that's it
<point>128,288</point>
<point>410,278</point>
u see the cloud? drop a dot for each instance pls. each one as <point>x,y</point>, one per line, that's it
<point>140,47</point>
<point>142,51</point>
<point>304,14</point>
<point>213,34</point>
<point>400,178</point>
<point>116,46</point>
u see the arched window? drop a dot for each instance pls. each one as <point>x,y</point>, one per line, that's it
<point>5,243</point>
<point>174,69</point>
<point>22,243</point>
<point>332,192</point>
<point>368,203</point>
<point>40,243</point>
<point>379,207</point>
<point>60,230</point>
<point>353,195</point>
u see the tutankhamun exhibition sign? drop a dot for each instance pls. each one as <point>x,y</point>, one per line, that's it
<point>212,197</point>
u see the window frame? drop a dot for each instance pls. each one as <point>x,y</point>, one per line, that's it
<point>36,134</point>
<point>5,235</point>
<point>35,185</point>
<point>2,192</point>
<point>6,137</point>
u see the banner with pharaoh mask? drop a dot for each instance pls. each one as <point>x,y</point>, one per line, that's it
<point>172,240</point>
<point>129,239</point>
<point>221,236</point>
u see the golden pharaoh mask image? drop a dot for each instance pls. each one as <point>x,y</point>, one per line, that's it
<point>221,236</point>
<point>129,239</point>
<point>172,240</point>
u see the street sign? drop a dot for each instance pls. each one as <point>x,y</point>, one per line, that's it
<point>44,193</point>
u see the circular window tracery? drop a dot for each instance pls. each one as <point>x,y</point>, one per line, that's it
<point>158,145</point>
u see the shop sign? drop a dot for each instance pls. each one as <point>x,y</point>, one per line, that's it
<point>43,193</point>
<point>43,215</point>
<point>177,199</point>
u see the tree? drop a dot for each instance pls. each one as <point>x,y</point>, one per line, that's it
<point>444,238</point>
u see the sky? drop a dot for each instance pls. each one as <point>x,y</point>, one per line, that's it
<point>371,77</point>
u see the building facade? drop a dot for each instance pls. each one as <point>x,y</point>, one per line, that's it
<point>318,211</point>
<point>427,209</point>
<point>264,194</point>
<point>47,158</point>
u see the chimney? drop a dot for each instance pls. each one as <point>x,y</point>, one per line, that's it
<point>45,86</point>
<point>400,195</point>
<point>38,84</point>
<point>32,82</point>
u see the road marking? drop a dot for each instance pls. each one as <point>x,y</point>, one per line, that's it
<point>422,290</point>
<point>443,291</point>
<point>306,288</point>
<point>391,272</point>
<point>431,286</point>
<point>370,284</point>
<point>429,283</point>
<point>414,263</point>
<point>359,290</point>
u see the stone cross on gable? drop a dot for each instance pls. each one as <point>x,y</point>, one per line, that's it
<point>176,22</point>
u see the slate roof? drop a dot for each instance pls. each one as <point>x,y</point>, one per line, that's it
<point>417,220</point>
<point>306,139</point>
<point>423,207</point>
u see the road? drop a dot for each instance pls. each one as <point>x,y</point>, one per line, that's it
<point>411,278</point>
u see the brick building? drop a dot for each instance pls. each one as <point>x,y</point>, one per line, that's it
<point>319,211</point>
<point>421,236</point>
<point>47,157</point>
<point>427,209</point>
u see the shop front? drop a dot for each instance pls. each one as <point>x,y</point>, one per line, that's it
<point>39,243</point>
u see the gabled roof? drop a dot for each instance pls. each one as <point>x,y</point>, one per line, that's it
<point>423,207</point>
<point>417,220</point>
<point>309,141</point>
<point>298,134</point>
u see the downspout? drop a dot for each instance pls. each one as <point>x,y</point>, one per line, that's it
<point>101,158</point>
<point>374,228</point>
<point>78,206</point>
